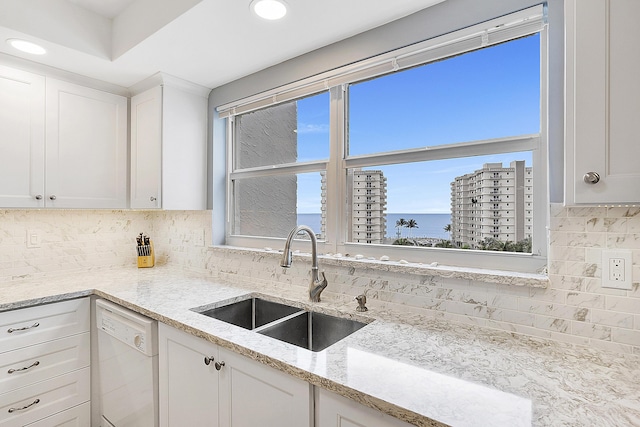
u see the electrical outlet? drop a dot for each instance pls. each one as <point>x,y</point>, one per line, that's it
<point>616,269</point>
<point>33,239</point>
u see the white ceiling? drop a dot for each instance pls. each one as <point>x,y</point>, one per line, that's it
<point>107,8</point>
<point>208,42</point>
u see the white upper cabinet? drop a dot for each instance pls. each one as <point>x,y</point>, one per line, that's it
<point>86,147</point>
<point>602,101</point>
<point>61,145</point>
<point>169,146</point>
<point>21,138</point>
<point>146,149</point>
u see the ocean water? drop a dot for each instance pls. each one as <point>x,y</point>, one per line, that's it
<point>429,225</point>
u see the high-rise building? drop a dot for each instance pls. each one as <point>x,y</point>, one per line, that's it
<point>368,204</point>
<point>494,202</point>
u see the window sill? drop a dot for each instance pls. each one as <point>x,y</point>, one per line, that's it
<point>500,277</point>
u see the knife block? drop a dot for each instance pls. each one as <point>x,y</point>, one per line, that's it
<point>145,260</point>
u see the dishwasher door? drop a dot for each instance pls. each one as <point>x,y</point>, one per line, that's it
<point>127,367</point>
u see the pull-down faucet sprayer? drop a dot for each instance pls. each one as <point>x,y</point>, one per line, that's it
<point>316,286</point>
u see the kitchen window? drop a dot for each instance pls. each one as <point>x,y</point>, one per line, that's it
<point>423,134</point>
<point>290,138</point>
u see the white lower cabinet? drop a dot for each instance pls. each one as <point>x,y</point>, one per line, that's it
<point>204,385</point>
<point>45,365</point>
<point>188,387</point>
<point>39,362</point>
<point>333,410</point>
<point>252,394</point>
<point>25,405</point>
<point>78,416</point>
<point>35,325</point>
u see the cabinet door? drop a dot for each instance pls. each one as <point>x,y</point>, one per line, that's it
<point>184,149</point>
<point>336,411</point>
<point>86,147</point>
<point>146,149</point>
<point>22,139</point>
<point>252,394</point>
<point>188,387</point>
<point>603,100</point>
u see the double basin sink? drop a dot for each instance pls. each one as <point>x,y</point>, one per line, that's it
<point>307,329</point>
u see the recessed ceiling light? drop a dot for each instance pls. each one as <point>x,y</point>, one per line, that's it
<point>269,9</point>
<point>26,46</point>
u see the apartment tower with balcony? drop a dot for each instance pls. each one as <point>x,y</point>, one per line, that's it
<point>368,204</point>
<point>494,202</point>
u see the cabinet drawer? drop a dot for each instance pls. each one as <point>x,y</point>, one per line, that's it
<point>39,362</point>
<point>78,416</point>
<point>32,403</point>
<point>34,325</point>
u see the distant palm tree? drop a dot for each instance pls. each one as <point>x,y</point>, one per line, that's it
<point>447,228</point>
<point>400,223</point>
<point>411,224</point>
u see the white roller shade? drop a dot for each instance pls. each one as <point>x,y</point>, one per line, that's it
<point>499,30</point>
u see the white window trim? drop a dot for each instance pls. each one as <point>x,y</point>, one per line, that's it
<point>525,22</point>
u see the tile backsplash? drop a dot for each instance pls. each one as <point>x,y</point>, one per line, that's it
<point>574,308</point>
<point>71,240</point>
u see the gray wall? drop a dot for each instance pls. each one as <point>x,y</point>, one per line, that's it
<point>443,18</point>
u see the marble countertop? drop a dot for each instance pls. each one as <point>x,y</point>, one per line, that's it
<point>424,371</point>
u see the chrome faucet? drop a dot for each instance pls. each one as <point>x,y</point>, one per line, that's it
<point>316,286</point>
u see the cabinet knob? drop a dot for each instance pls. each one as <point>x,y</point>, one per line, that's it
<point>591,177</point>
<point>39,197</point>
<point>208,360</point>
<point>52,197</point>
<point>153,199</point>
<point>219,365</point>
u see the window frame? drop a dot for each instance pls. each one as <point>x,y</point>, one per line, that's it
<point>508,27</point>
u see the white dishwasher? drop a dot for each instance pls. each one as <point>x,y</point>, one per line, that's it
<point>127,367</point>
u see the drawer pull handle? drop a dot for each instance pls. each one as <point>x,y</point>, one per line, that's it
<point>35,325</point>
<point>11,371</point>
<point>12,410</point>
<point>219,365</point>
<point>208,360</point>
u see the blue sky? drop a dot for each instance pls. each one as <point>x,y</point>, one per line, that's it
<point>489,93</point>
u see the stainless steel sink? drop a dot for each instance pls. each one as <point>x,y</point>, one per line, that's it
<point>313,331</point>
<point>251,313</point>
<point>306,329</point>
